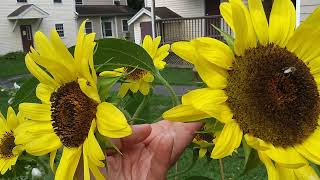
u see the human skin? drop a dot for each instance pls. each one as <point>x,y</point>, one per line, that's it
<point>150,151</point>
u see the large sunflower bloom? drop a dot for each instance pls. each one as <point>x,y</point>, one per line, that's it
<point>267,90</point>
<point>137,79</point>
<point>9,151</point>
<point>71,108</point>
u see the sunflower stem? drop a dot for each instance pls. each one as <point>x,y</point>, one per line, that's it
<point>221,169</point>
<point>140,107</point>
<point>177,171</point>
<point>173,95</point>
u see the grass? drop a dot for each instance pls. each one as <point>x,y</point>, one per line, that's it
<point>12,64</point>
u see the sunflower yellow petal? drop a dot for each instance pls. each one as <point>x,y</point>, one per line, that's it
<point>34,127</point>
<point>186,51</point>
<point>44,92</point>
<point>148,77</point>
<point>43,145</point>
<point>110,74</point>
<point>144,88</point>
<point>124,88</point>
<point>256,143</point>
<point>212,75</point>
<point>12,120</point>
<point>288,157</point>
<point>89,89</point>
<point>52,158</point>
<point>155,45</point>
<point>160,64</point>
<point>272,171</point>
<point>214,51</point>
<point>147,44</point>
<point>303,40</point>
<point>306,172</point>
<point>86,171</point>
<point>135,86</point>
<point>204,96</point>
<point>40,74</point>
<point>310,148</point>
<point>93,149</point>
<point>184,113</point>
<point>36,112</point>
<point>285,173</point>
<point>226,12</point>
<point>221,112</point>
<point>314,66</point>
<point>259,20</point>
<point>96,172</point>
<point>282,22</point>
<point>111,122</point>
<point>228,140</point>
<point>68,163</point>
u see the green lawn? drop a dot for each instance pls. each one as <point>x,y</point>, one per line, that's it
<point>12,64</point>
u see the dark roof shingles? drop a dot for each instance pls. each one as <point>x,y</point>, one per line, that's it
<point>20,10</point>
<point>164,12</point>
<point>104,10</point>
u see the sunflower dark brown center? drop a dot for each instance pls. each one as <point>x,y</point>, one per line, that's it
<point>135,74</point>
<point>72,114</point>
<point>273,96</point>
<point>204,136</point>
<point>6,145</point>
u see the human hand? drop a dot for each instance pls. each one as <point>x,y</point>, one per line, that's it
<point>150,151</point>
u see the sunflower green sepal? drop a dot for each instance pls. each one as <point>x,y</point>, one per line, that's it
<point>71,110</point>
<point>9,149</point>
<point>203,146</point>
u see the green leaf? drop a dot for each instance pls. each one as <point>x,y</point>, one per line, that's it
<point>26,93</point>
<point>105,85</point>
<point>229,39</point>
<point>119,53</point>
<point>198,178</point>
<point>251,159</point>
<point>247,151</point>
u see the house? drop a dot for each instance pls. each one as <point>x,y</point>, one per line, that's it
<point>197,17</point>
<point>20,19</point>
<point>108,18</point>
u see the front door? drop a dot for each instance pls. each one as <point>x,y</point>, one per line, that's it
<point>146,29</point>
<point>26,36</point>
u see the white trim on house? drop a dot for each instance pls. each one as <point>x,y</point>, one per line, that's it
<point>116,26</point>
<point>24,14</point>
<point>139,14</point>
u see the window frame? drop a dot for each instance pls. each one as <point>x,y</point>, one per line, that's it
<point>123,26</point>
<point>57,1</point>
<point>22,1</point>
<point>85,27</point>
<point>104,29</point>
<point>114,2</point>
<point>59,30</point>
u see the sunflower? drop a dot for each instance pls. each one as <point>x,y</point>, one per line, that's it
<point>70,108</point>
<point>138,79</point>
<point>265,88</point>
<point>9,151</point>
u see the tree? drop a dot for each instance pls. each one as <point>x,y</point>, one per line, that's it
<point>136,4</point>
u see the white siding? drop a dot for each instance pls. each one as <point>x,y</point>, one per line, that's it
<point>185,8</point>
<point>58,13</point>
<point>102,2</point>
<point>307,7</point>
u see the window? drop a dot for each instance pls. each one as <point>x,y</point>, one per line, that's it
<point>57,1</point>
<point>21,0</point>
<point>116,2</point>
<point>125,27</point>
<point>60,30</point>
<point>88,27</point>
<point>107,29</point>
<point>78,1</point>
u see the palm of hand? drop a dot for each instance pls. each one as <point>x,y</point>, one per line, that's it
<point>150,151</point>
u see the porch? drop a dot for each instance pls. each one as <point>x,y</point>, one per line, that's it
<point>185,29</point>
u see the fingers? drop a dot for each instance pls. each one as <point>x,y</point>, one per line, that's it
<point>162,149</point>
<point>139,134</point>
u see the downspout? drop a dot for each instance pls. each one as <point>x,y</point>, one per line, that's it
<point>298,12</point>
